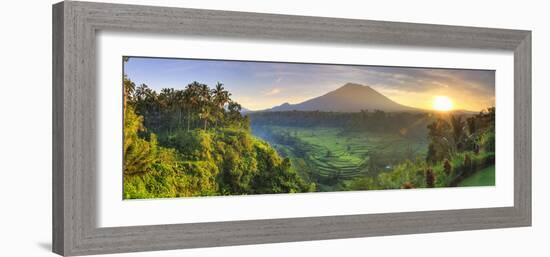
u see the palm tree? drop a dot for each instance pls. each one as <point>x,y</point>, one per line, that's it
<point>440,145</point>
<point>457,125</point>
<point>220,99</point>
<point>205,104</point>
<point>180,105</point>
<point>191,96</point>
<point>187,95</point>
<point>221,96</point>
<point>234,111</point>
<point>217,91</point>
<point>168,107</point>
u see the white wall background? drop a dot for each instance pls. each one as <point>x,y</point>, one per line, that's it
<point>25,128</point>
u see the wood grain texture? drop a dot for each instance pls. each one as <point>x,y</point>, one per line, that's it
<point>58,230</point>
<point>522,128</point>
<point>75,25</point>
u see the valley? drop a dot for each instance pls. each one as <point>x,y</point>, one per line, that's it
<point>331,157</point>
<point>354,138</point>
<point>203,139</point>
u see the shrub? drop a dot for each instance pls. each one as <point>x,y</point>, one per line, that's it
<point>447,167</point>
<point>407,185</point>
<point>402,173</point>
<point>487,141</point>
<point>430,178</point>
<point>467,164</point>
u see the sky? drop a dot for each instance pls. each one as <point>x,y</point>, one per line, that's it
<point>262,85</point>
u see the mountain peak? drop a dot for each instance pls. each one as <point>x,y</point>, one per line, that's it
<point>351,97</point>
<point>354,85</point>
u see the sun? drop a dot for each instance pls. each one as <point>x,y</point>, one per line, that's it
<point>442,103</point>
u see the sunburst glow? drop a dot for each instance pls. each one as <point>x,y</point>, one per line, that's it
<point>442,103</point>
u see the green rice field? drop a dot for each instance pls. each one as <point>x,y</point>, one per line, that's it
<point>324,153</point>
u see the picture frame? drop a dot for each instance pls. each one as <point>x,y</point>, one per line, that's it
<point>75,25</point>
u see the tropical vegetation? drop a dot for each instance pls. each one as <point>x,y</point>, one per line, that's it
<point>197,141</point>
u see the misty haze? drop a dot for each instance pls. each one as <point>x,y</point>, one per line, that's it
<point>208,127</point>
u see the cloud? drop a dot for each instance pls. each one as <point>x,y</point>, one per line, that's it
<point>272,92</point>
<point>265,83</point>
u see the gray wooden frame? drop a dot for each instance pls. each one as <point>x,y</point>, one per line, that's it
<point>74,126</point>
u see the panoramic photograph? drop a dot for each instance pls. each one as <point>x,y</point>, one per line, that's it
<point>197,127</point>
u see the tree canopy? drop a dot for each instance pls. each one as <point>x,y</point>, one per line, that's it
<point>195,142</point>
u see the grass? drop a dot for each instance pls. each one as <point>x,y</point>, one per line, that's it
<point>484,177</point>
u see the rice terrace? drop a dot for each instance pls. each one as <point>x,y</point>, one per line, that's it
<point>210,127</point>
<point>331,154</point>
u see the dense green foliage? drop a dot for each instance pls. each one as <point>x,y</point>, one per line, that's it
<point>196,106</point>
<point>406,123</point>
<point>195,142</point>
<point>342,159</point>
<point>457,150</point>
<point>152,171</point>
<point>414,174</point>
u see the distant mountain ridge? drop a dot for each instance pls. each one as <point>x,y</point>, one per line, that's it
<point>351,97</point>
